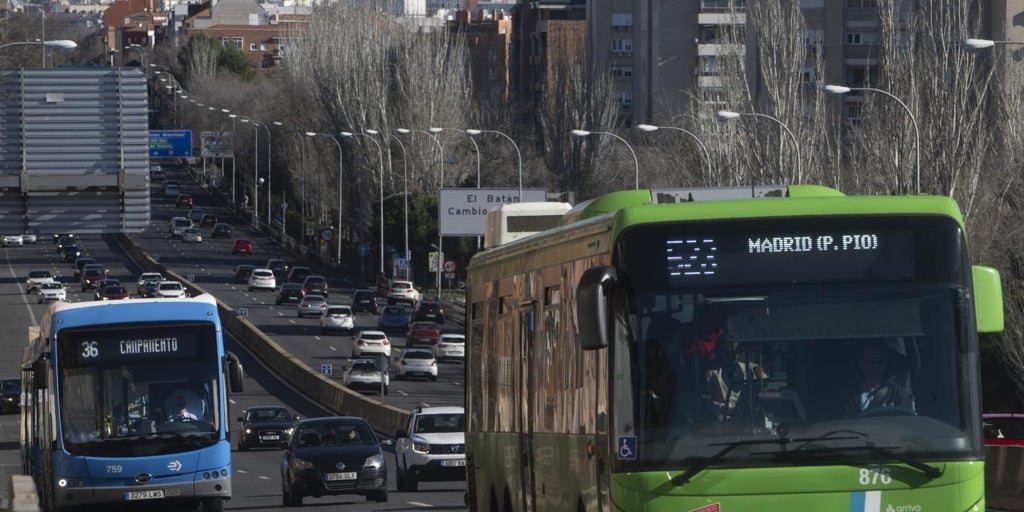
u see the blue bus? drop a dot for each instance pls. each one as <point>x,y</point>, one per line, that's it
<point>126,401</point>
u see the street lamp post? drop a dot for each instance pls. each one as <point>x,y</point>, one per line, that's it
<point>841,89</point>
<point>519,155</point>
<point>980,44</point>
<point>477,148</point>
<point>440,237</point>
<point>405,197</point>
<point>57,44</point>
<point>255,168</point>
<point>636,163</point>
<point>707,156</point>
<point>341,175</point>
<point>728,115</point>
<point>380,150</point>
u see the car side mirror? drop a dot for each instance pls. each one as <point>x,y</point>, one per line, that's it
<point>387,442</point>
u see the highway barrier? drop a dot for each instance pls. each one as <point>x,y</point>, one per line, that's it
<point>23,497</point>
<point>333,396</point>
<point>1004,477</point>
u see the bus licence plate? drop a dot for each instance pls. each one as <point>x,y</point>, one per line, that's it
<point>145,495</point>
<point>331,477</point>
<point>454,462</point>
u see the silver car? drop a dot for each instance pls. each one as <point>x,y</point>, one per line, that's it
<point>262,279</point>
<point>451,347</point>
<point>311,305</point>
<point>337,318</point>
<point>192,236</point>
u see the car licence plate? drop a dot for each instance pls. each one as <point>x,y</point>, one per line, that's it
<point>331,477</point>
<point>144,495</point>
<point>270,438</point>
<point>453,462</point>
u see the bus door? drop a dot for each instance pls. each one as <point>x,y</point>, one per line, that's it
<point>527,331</point>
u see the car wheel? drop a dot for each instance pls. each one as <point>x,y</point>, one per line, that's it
<point>323,331</point>
<point>380,496</point>
<point>242,447</point>
<point>433,378</point>
<point>385,389</point>
<point>411,485</point>
<point>298,315</point>
<point>40,301</point>
<point>399,376</point>
<point>213,505</point>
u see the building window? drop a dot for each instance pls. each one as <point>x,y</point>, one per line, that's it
<point>231,42</point>
<point>814,37</point>
<point>252,47</point>
<point>263,47</point>
<point>709,65</point>
<point>862,76</point>
<point>622,46</point>
<point>808,76</point>
<point>624,98</point>
<point>622,71</point>
<point>622,22</point>
<point>861,3</point>
<point>862,38</point>
<point>713,95</point>
<point>264,65</point>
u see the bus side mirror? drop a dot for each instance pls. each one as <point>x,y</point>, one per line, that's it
<point>235,373</point>
<point>592,309</point>
<point>988,299</point>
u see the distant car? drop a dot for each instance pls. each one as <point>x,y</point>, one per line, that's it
<point>423,334</point>
<point>403,291</point>
<point>242,246</point>
<point>208,220</point>
<point>371,342</point>
<point>183,201</point>
<point>63,241</point>
<point>416,362</point>
<point>58,236</point>
<point>364,301</point>
<point>279,266</point>
<point>114,293</point>
<point>29,238</point>
<point>103,283</point>
<point>221,230</point>
<point>242,273</point>
<point>315,285</point>
<point>171,190</point>
<point>192,236</point>
<point>337,318</point>
<point>195,215</point>
<point>299,274</point>
<point>431,447</point>
<point>13,241</point>
<point>321,460</point>
<point>311,305</point>
<point>147,276</point>
<point>365,375</point>
<point>36,278</point>
<point>429,310</point>
<point>90,277</point>
<point>148,288</point>
<point>157,176</point>
<point>451,347</point>
<point>289,293</point>
<point>170,290</point>
<point>262,279</point>
<point>393,317</point>
<point>51,292</point>
<point>1003,429</point>
<point>80,263</point>
<point>10,395</point>
<point>177,226</point>
<point>265,427</point>
<point>71,252</point>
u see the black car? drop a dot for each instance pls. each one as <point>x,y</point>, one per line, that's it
<point>265,427</point>
<point>332,456</point>
<point>364,301</point>
<point>279,267</point>
<point>208,220</point>
<point>10,395</point>
<point>289,293</point>
<point>298,274</point>
<point>221,230</point>
<point>79,263</point>
<point>71,252</point>
<point>315,285</point>
<point>242,273</point>
<point>429,310</point>
<point>58,236</point>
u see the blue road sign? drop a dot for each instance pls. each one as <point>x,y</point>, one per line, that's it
<point>170,143</point>
<point>363,250</point>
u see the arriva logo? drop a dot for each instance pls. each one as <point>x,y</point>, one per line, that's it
<point>904,508</point>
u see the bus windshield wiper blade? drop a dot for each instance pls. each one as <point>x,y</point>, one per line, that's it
<point>929,471</point>
<point>703,463</point>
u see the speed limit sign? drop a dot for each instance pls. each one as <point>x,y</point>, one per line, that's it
<point>449,265</point>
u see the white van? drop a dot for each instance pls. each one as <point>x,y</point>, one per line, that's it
<point>178,225</point>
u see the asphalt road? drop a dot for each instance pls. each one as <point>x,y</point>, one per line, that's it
<point>256,473</point>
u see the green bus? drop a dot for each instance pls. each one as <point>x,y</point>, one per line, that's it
<point>771,348</point>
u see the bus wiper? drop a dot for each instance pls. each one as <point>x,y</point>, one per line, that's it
<point>928,470</point>
<point>703,463</point>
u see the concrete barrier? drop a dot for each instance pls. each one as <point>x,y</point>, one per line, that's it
<point>23,496</point>
<point>333,396</point>
<point>1004,477</point>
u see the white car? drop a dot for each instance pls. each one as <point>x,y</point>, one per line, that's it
<point>29,238</point>
<point>192,236</point>
<point>170,290</point>
<point>262,279</point>
<point>431,447</point>
<point>36,278</point>
<point>12,240</point>
<point>371,342</point>
<point>52,291</point>
<point>403,291</point>
<point>416,363</point>
<point>148,276</point>
<point>312,305</point>
<point>178,225</point>
<point>450,347</point>
<point>337,318</point>
<point>171,190</point>
<point>364,375</point>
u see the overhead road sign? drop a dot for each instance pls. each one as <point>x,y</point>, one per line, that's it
<point>463,211</point>
<point>170,143</point>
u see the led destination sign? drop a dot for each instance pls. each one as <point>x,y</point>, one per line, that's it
<point>738,258</point>
<point>132,347</point>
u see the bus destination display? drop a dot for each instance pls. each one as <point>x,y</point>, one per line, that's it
<point>790,257</point>
<point>133,347</point>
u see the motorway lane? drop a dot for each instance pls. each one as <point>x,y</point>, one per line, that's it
<point>212,265</point>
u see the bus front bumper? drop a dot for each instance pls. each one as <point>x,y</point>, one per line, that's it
<point>203,489</point>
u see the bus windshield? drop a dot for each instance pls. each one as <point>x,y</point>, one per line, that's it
<point>795,356</point>
<point>139,391</point>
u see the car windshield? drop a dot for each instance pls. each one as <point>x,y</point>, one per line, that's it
<point>331,434</point>
<point>434,423</point>
<point>10,385</point>
<point>268,415</point>
<point>1004,428</point>
<point>39,273</point>
<point>418,354</point>
<point>170,286</point>
<point>338,310</point>
<point>373,336</point>
<point>364,366</point>
<point>394,311</point>
<point>52,286</point>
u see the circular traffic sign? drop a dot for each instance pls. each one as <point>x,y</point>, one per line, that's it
<point>449,265</point>
<point>363,249</point>
<point>327,235</point>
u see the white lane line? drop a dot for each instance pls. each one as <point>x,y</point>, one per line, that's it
<point>231,400</point>
<point>261,477</point>
<point>332,348</point>
<point>242,471</point>
<point>419,504</point>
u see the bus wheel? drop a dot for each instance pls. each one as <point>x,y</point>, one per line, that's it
<point>213,505</point>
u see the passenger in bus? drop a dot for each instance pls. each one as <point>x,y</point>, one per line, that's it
<point>878,387</point>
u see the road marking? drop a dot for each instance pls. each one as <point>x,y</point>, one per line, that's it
<point>317,337</point>
<point>242,471</point>
<point>231,400</point>
<point>332,348</point>
<point>419,504</point>
<point>261,477</point>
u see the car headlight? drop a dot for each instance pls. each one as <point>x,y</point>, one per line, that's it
<point>248,431</point>
<point>301,464</point>
<point>374,462</point>
<point>288,431</point>
<point>421,447</point>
